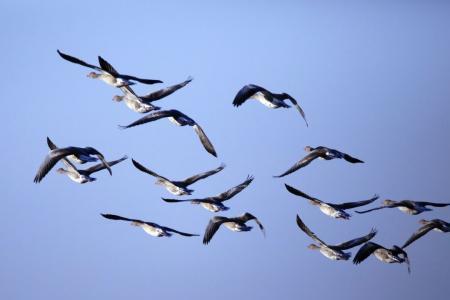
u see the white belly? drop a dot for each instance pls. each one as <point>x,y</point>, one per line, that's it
<point>153,231</point>
<point>211,207</point>
<point>261,98</point>
<point>406,210</point>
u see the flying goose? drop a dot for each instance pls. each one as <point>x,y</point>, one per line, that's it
<point>157,95</point>
<point>269,99</point>
<point>234,224</point>
<point>334,252</point>
<point>393,255</point>
<point>151,228</point>
<point>108,73</point>
<point>133,101</point>
<point>319,152</point>
<point>180,119</point>
<point>84,176</point>
<point>214,203</point>
<point>178,188</point>
<point>406,206</point>
<point>330,209</point>
<point>59,153</point>
<point>77,158</point>
<point>435,224</point>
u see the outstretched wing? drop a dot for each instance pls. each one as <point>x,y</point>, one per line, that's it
<point>302,163</point>
<point>246,92</point>
<point>162,93</point>
<point>148,171</point>
<point>99,167</point>
<point>77,61</point>
<point>152,117</point>
<point>348,205</point>
<point>351,159</point>
<point>119,218</point>
<point>247,217</point>
<point>70,166</point>
<point>300,110</point>
<point>205,140</point>
<point>212,228</point>
<point>365,251</point>
<point>179,232</point>
<point>234,190</point>
<point>372,209</point>
<point>306,230</point>
<point>301,194</point>
<point>355,242</point>
<point>424,203</point>
<point>419,233</point>
<point>195,178</point>
<point>106,66</point>
<point>50,161</point>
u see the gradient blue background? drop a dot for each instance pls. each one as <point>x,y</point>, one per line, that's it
<point>372,77</point>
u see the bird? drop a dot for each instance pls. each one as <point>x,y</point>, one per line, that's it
<point>319,152</point>
<point>214,203</point>
<point>269,99</point>
<point>59,153</point>
<point>393,255</point>
<point>134,102</point>
<point>330,209</point>
<point>234,224</point>
<point>84,176</point>
<point>107,72</point>
<point>157,95</point>
<point>180,119</point>
<point>334,252</point>
<point>77,158</point>
<point>178,188</point>
<point>407,206</point>
<point>152,229</point>
<point>435,224</point>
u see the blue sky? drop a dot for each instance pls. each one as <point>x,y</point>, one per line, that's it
<point>371,77</point>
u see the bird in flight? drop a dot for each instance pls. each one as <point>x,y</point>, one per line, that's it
<point>435,224</point>
<point>393,255</point>
<point>407,206</point>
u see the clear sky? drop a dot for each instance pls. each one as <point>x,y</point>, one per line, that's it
<point>372,77</point>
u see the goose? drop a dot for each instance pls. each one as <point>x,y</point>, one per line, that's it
<point>334,252</point>
<point>330,209</point>
<point>234,224</point>
<point>154,96</point>
<point>77,158</point>
<point>178,188</point>
<point>84,176</point>
<point>435,224</point>
<point>319,152</point>
<point>133,101</point>
<point>269,99</point>
<point>406,206</point>
<point>59,153</point>
<point>152,229</point>
<point>393,255</point>
<point>214,203</point>
<point>180,119</point>
<point>107,72</point>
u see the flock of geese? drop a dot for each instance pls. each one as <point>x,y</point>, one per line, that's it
<point>71,155</point>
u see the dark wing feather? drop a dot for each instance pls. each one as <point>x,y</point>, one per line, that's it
<point>246,92</point>
<point>419,233</point>
<point>179,232</point>
<point>348,205</point>
<point>365,251</point>
<point>99,167</point>
<point>301,194</point>
<point>424,203</point>
<point>355,242</point>
<point>195,178</point>
<point>77,61</point>
<point>144,81</point>
<point>302,163</point>
<point>205,141</point>
<point>116,217</point>
<point>50,144</point>
<point>234,190</point>
<point>175,200</point>
<point>212,228</point>
<point>106,66</point>
<point>306,230</point>
<point>351,159</point>
<point>51,159</point>
<point>372,209</point>
<point>148,171</point>
<point>247,217</point>
<point>152,117</point>
<point>300,110</point>
<point>157,95</point>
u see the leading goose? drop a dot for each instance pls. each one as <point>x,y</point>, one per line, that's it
<point>107,72</point>
<point>180,119</point>
<point>152,229</point>
<point>269,99</point>
<point>157,95</point>
<point>178,188</point>
<point>319,152</point>
<point>234,224</point>
<point>393,255</point>
<point>435,224</point>
<point>334,252</point>
<point>57,154</point>
<point>407,206</point>
<point>330,209</point>
<point>214,203</point>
